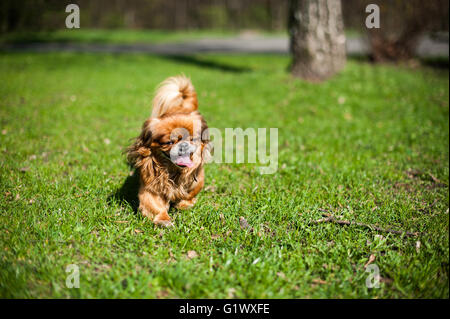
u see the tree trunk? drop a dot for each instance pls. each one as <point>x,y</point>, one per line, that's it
<point>317,38</point>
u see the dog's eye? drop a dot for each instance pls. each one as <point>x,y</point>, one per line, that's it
<point>167,143</point>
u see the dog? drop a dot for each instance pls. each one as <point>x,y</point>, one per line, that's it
<point>170,152</point>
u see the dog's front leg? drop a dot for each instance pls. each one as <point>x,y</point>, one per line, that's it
<point>190,200</point>
<point>154,207</point>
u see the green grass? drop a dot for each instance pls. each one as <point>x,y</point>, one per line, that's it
<point>127,36</point>
<point>371,144</point>
<point>123,36</point>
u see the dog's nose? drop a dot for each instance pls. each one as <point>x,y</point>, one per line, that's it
<point>184,147</point>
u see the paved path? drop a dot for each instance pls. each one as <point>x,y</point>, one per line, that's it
<point>244,44</point>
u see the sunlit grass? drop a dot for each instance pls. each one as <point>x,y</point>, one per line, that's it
<point>371,145</point>
<point>124,36</point>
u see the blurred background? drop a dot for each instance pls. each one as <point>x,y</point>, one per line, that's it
<point>407,26</point>
<point>268,15</point>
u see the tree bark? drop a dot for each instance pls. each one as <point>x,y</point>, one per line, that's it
<point>317,38</point>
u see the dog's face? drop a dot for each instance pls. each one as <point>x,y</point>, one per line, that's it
<point>180,139</point>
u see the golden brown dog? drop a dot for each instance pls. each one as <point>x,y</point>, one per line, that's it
<point>170,152</point>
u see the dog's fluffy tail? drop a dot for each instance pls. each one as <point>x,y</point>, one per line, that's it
<point>175,95</point>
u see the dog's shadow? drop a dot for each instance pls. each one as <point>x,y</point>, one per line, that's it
<point>127,194</point>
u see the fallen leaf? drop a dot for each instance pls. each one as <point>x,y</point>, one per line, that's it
<point>348,116</point>
<point>413,173</point>
<point>319,281</point>
<point>243,222</point>
<point>434,179</point>
<point>162,294</point>
<point>138,231</point>
<point>386,280</point>
<point>192,254</point>
<point>231,292</point>
<point>371,260</point>
<point>171,260</point>
<point>281,275</point>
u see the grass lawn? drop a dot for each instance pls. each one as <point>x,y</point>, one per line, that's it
<point>370,146</point>
<point>128,36</point>
<point>125,36</point>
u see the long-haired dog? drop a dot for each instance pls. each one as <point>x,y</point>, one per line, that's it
<point>170,152</point>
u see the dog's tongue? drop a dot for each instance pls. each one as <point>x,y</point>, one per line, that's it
<point>184,161</point>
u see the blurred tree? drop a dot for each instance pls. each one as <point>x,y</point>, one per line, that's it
<point>402,25</point>
<point>317,38</point>
<point>401,20</point>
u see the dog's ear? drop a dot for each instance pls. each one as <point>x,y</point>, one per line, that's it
<point>207,146</point>
<point>141,146</point>
<point>207,152</point>
<point>146,133</point>
<point>205,132</point>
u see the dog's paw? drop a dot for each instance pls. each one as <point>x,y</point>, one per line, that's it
<point>146,213</point>
<point>185,204</point>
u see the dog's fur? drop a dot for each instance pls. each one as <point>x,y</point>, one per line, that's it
<point>162,182</point>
